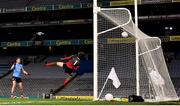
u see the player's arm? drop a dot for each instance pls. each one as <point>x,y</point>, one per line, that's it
<point>25,72</point>
<point>12,67</point>
<point>66,58</point>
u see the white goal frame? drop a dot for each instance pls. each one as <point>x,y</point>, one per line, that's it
<point>95,48</point>
<point>95,38</point>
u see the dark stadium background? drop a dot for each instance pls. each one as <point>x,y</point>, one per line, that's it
<point>68,28</point>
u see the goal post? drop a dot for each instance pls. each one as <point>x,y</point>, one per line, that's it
<point>148,78</point>
<point>137,47</point>
<point>95,47</point>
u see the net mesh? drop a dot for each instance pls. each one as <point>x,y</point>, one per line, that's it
<point>120,53</point>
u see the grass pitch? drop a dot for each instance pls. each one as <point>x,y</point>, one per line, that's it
<point>18,101</point>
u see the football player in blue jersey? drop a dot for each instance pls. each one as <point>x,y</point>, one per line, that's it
<point>18,69</point>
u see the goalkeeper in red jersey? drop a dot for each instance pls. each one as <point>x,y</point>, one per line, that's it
<point>69,64</point>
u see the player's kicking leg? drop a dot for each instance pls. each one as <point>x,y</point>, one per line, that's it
<point>60,64</point>
<point>50,64</point>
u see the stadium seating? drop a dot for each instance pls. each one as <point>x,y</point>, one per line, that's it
<point>35,87</point>
<point>23,3</point>
<point>174,67</point>
<point>13,3</point>
<point>52,2</point>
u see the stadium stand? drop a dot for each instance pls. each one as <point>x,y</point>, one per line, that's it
<point>174,68</point>
<point>23,3</point>
<point>174,72</point>
<point>13,3</point>
<point>52,2</point>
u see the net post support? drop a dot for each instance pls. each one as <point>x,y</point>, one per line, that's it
<point>137,49</point>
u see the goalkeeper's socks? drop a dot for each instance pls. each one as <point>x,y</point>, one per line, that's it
<point>50,64</point>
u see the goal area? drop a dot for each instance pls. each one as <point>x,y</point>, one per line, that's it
<point>137,59</point>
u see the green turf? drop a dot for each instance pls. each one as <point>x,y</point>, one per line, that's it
<point>60,102</point>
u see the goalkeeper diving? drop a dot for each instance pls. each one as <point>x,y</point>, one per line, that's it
<point>69,64</point>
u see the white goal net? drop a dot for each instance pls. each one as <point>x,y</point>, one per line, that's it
<point>149,78</point>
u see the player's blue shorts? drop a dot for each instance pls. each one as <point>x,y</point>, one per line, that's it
<point>18,80</point>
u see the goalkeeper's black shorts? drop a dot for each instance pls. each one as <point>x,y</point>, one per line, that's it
<point>18,80</point>
<point>67,69</point>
